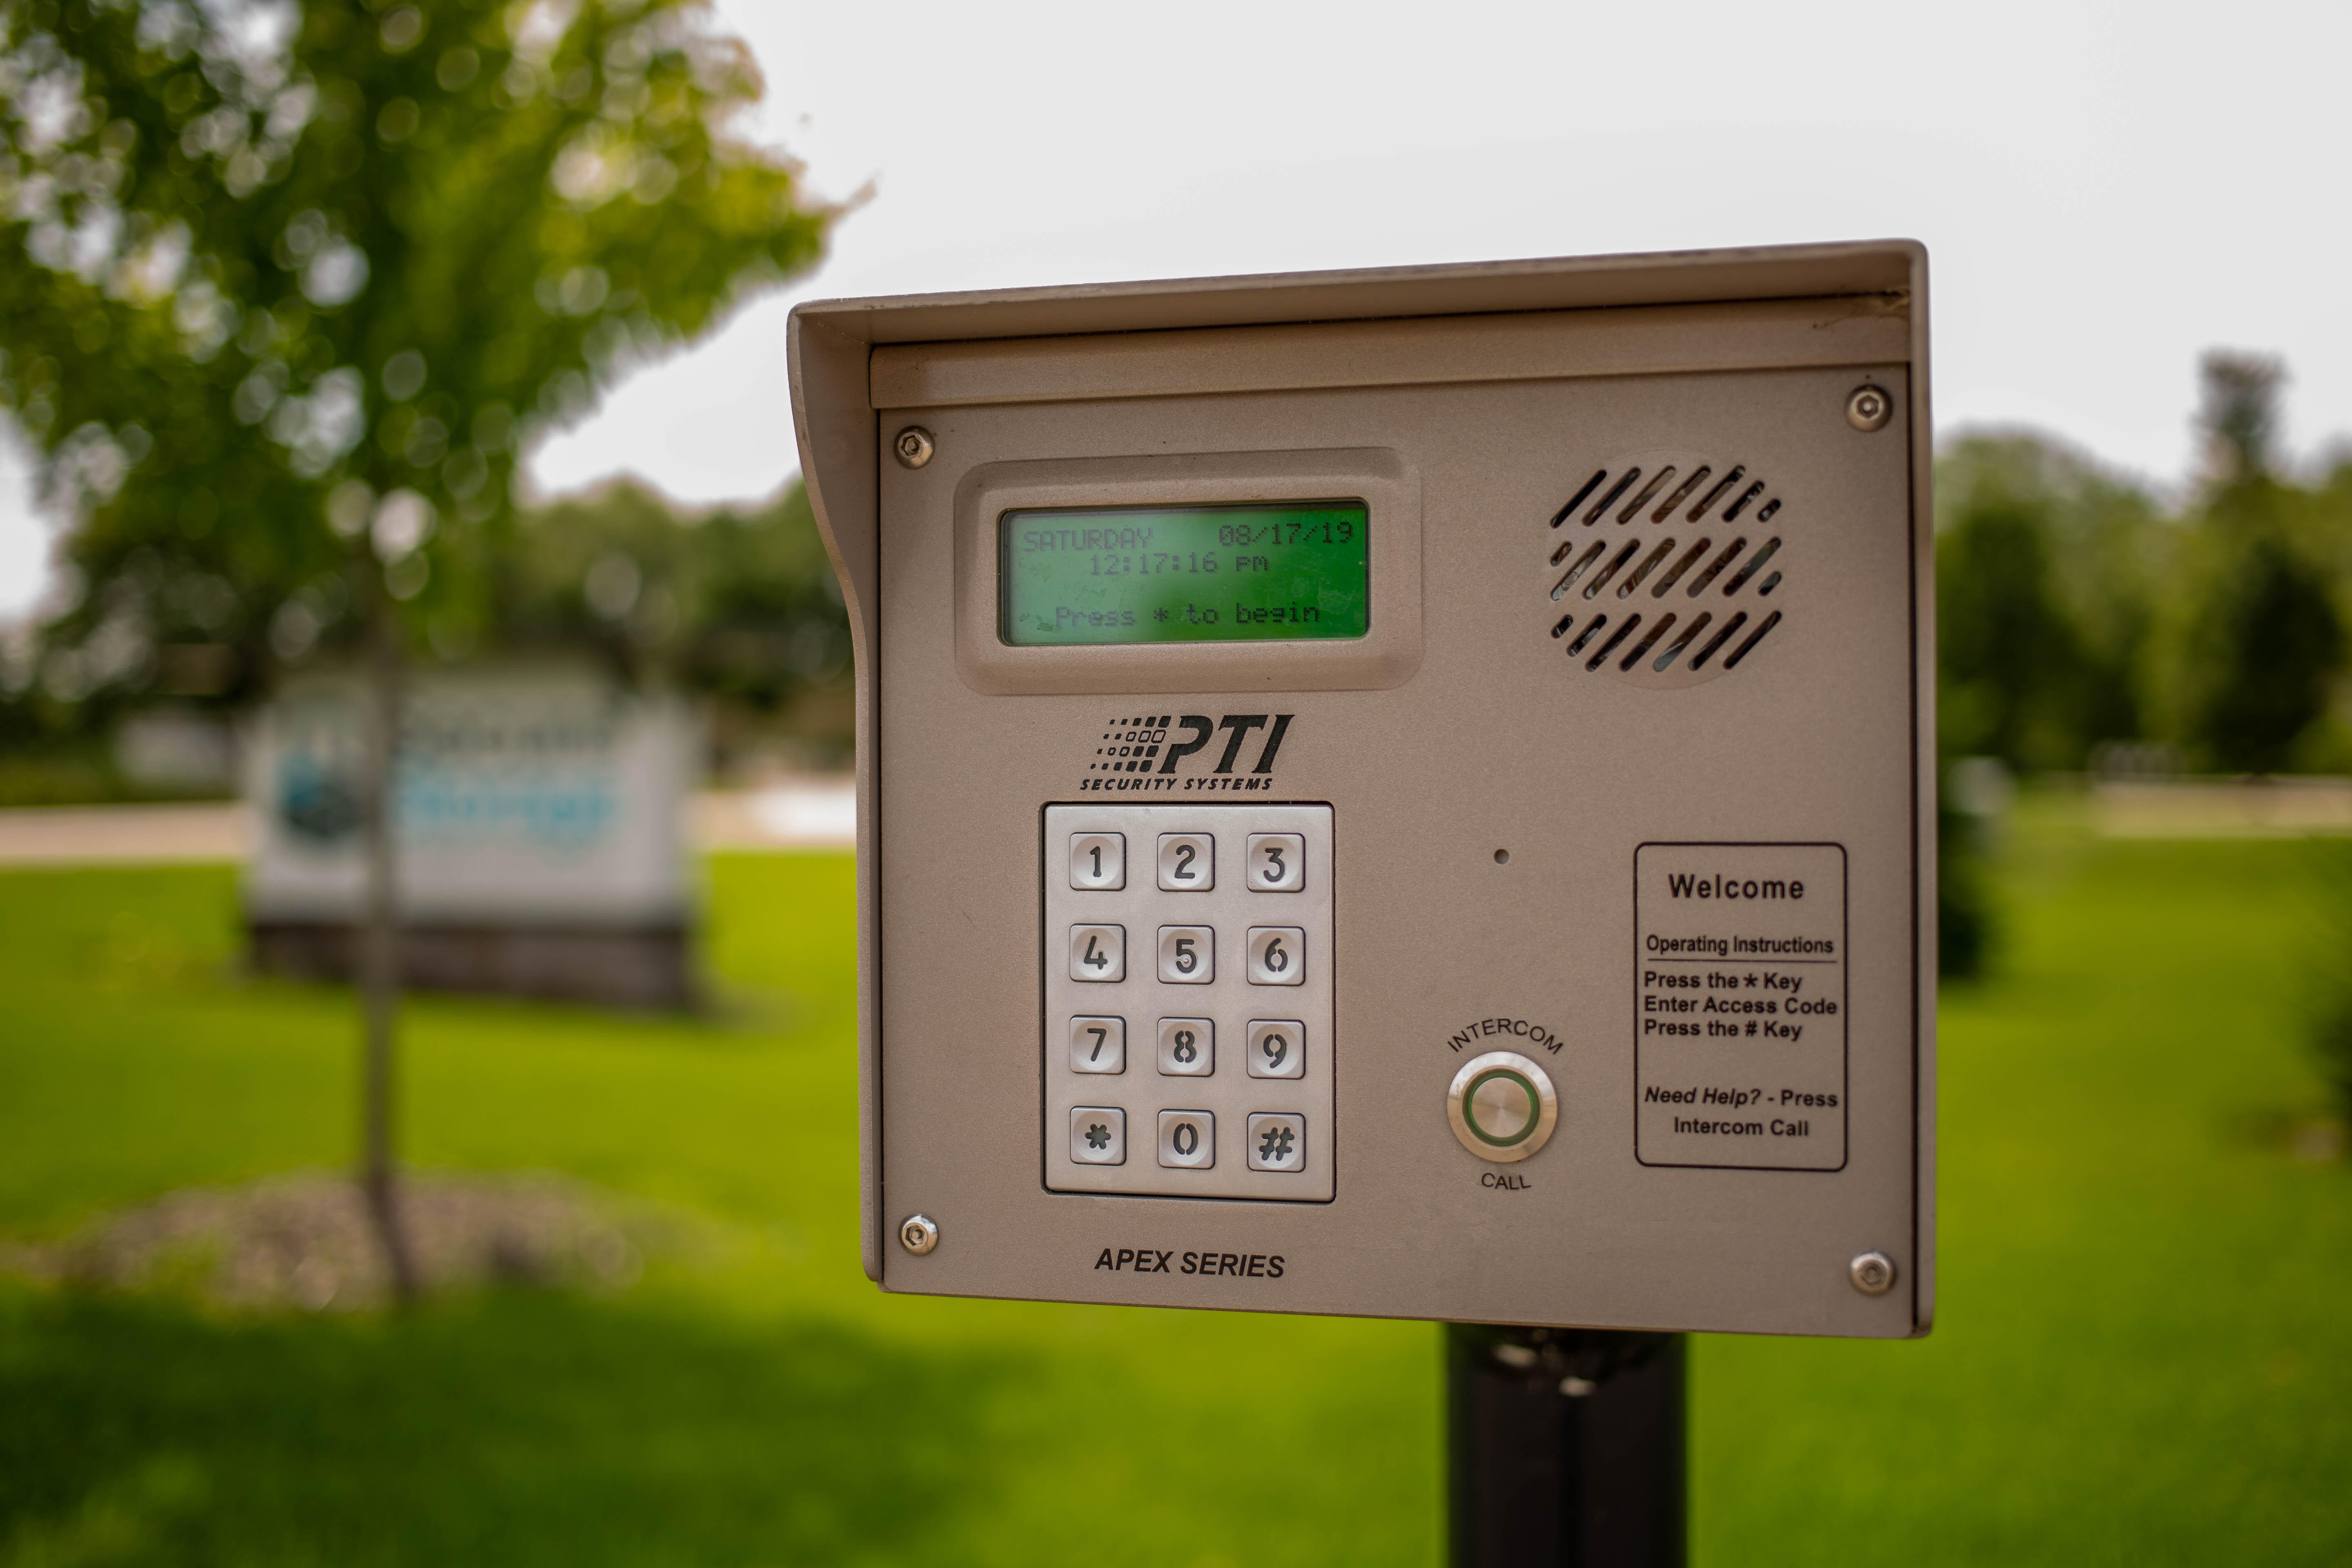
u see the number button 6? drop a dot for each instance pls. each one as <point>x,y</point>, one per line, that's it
<point>1277,862</point>
<point>1277,955</point>
<point>1188,956</point>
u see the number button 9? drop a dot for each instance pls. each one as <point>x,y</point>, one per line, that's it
<point>1187,862</point>
<point>1277,1048</point>
<point>1277,862</point>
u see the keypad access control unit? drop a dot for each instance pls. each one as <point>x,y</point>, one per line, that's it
<point>1401,793</point>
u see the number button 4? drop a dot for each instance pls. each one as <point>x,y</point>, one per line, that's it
<point>1188,956</point>
<point>1277,1048</point>
<point>1097,1045</point>
<point>1277,862</point>
<point>1187,862</point>
<point>1187,1048</point>
<point>1277,955</point>
<point>1098,861</point>
<point>1099,953</point>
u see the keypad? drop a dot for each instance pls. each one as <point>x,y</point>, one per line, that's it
<point>1226,1000</point>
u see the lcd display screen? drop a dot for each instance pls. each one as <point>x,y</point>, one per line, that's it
<point>1277,573</point>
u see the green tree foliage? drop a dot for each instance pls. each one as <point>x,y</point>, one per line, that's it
<point>290,291</point>
<point>2263,641</point>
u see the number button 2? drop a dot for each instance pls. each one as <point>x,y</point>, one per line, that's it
<point>1277,955</point>
<point>1277,1048</point>
<point>1099,953</point>
<point>1277,862</point>
<point>1187,1048</point>
<point>1098,1045</point>
<point>1187,862</point>
<point>1188,956</point>
<point>1098,861</point>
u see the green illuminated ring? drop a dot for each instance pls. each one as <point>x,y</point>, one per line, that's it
<point>1534,1107</point>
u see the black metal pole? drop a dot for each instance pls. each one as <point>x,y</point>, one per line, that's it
<point>1564,1449</point>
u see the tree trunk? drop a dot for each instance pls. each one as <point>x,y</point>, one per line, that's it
<point>379,949</point>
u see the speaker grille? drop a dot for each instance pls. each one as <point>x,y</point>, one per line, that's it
<point>1662,568</point>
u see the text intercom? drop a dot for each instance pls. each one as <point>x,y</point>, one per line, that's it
<point>1404,793</point>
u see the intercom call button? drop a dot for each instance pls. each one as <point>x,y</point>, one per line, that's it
<point>1187,1047</point>
<point>1277,955</point>
<point>1099,953</point>
<point>1277,1143</point>
<point>1098,862</point>
<point>1187,1140</point>
<point>1098,1135</point>
<point>1187,862</point>
<point>1188,956</point>
<point>1097,1045</point>
<point>1277,862</point>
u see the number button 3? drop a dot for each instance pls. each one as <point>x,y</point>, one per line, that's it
<point>1187,1048</point>
<point>1188,956</point>
<point>1277,955</point>
<point>1277,1048</point>
<point>1277,862</point>
<point>1099,953</point>
<point>1187,862</point>
<point>1097,1045</point>
<point>1098,861</point>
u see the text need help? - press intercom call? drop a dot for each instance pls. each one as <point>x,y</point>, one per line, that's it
<point>1401,793</point>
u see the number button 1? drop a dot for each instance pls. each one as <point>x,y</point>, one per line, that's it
<point>1098,861</point>
<point>1187,862</point>
<point>1277,1048</point>
<point>1277,862</point>
<point>1097,1045</point>
<point>1188,956</point>
<point>1099,953</point>
<point>1277,955</point>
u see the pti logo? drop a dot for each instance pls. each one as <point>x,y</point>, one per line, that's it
<point>1142,744</point>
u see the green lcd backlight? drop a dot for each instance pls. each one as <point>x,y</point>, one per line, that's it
<point>1283,573</point>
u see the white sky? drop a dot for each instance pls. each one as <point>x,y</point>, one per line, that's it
<point>2105,190</point>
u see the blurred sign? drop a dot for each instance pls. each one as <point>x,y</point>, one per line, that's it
<point>537,796</point>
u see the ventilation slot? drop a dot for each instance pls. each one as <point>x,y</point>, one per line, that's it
<point>1620,635</point>
<point>1561,630</point>
<point>1594,587</point>
<point>1674,649</point>
<point>1675,571</point>
<point>1592,629</point>
<point>1667,507</point>
<point>1753,638</point>
<point>1718,639</point>
<point>1754,562</point>
<point>1749,494</point>
<point>1770,507</point>
<point>1715,567</point>
<point>1639,501</point>
<point>1642,648</point>
<point>1579,570</point>
<point>1605,502</point>
<point>1625,589</point>
<point>1564,513</point>
<point>1717,494</point>
<point>1766,585</point>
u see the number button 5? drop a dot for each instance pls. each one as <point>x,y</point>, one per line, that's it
<point>1099,953</point>
<point>1188,956</point>
<point>1187,862</point>
<point>1277,862</point>
<point>1277,955</point>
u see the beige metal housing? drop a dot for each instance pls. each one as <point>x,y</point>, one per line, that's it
<point>1629,787</point>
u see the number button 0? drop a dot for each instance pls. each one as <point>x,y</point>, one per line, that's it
<point>1098,861</point>
<point>1097,1045</point>
<point>1099,953</point>
<point>1277,1048</point>
<point>1187,1048</point>
<point>1187,862</point>
<point>1277,955</point>
<point>1187,1140</point>
<point>1188,956</point>
<point>1277,862</point>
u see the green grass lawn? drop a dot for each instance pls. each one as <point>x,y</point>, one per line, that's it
<point>2144,1354</point>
